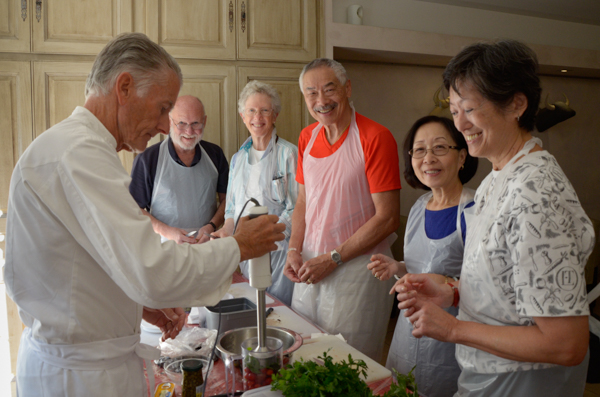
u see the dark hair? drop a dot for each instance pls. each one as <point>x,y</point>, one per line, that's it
<point>465,174</point>
<point>499,71</point>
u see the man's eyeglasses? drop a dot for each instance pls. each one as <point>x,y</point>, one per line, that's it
<point>181,126</point>
<point>253,112</point>
<point>437,150</point>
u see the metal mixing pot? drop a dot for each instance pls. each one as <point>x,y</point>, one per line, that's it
<point>230,343</point>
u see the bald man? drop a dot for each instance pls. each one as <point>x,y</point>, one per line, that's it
<point>176,182</point>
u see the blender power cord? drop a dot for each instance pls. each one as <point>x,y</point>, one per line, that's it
<point>212,352</point>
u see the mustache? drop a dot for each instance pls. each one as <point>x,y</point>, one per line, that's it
<point>325,108</point>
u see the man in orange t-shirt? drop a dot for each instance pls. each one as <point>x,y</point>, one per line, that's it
<point>348,208</point>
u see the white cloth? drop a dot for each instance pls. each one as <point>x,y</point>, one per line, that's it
<point>272,181</point>
<point>82,259</point>
<point>184,197</point>
<point>436,369</point>
<point>525,253</point>
<point>350,300</point>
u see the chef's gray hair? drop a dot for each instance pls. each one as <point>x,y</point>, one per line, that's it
<point>258,87</point>
<point>135,53</point>
<point>337,68</point>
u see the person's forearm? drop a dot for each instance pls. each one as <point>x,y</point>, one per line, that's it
<point>385,222</point>
<point>298,223</point>
<point>528,343</point>
<point>158,226</point>
<point>219,216</point>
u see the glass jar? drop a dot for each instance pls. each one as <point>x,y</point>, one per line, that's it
<point>192,378</point>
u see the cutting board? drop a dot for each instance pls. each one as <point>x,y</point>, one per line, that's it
<point>283,316</point>
<point>244,290</point>
<point>313,348</point>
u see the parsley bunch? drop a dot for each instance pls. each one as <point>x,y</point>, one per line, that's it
<point>309,379</point>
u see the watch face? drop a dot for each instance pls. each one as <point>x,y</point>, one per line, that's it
<point>336,257</point>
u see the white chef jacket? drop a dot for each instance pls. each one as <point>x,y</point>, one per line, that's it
<point>82,260</point>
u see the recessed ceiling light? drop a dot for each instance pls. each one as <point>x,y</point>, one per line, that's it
<point>563,70</point>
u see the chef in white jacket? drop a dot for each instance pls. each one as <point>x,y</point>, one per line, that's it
<point>83,263</point>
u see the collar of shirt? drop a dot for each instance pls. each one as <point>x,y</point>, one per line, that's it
<point>175,157</point>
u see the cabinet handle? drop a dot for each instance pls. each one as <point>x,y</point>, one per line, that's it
<point>24,9</point>
<point>243,16</point>
<point>231,16</point>
<point>38,9</point>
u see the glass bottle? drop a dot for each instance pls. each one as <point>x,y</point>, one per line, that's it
<point>192,378</point>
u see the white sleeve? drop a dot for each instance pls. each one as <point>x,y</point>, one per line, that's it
<point>113,230</point>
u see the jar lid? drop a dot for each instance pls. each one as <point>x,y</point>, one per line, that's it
<point>191,365</point>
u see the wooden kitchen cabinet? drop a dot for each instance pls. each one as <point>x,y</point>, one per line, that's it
<point>58,88</point>
<point>264,30</point>
<point>15,28</point>
<point>277,30</point>
<point>215,85</point>
<point>16,133</point>
<point>15,122</point>
<point>293,116</point>
<point>62,26</point>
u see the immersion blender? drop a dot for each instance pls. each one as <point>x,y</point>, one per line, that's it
<point>260,278</point>
<point>262,356</point>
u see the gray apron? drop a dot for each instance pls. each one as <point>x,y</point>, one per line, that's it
<point>437,370</point>
<point>184,197</point>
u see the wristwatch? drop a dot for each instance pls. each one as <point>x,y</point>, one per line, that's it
<point>336,257</point>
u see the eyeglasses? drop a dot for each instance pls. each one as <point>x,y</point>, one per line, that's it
<point>253,112</point>
<point>181,126</point>
<point>437,150</point>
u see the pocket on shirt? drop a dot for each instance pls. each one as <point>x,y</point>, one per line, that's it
<point>278,185</point>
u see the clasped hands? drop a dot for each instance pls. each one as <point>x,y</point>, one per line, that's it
<point>423,296</point>
<point>309,272</point>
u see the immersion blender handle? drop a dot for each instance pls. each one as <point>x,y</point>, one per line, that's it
<point>260,268</point>
<point>260,278</point>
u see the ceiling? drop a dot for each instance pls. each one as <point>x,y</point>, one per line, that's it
<point>579,11</point>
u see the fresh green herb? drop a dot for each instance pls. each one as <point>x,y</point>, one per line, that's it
<point>406,385</point>
<point>309,379</point>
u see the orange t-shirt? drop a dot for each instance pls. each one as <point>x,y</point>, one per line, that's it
<point>379,146</point>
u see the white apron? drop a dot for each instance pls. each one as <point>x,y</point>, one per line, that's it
<point>437,370</point>
<point>184,197</point>
<point>59,365</point>
<point>350,300</point>
<point>484,374</point>
<point>270,191</point>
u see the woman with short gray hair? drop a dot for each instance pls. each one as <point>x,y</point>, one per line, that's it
<point>263,169</point>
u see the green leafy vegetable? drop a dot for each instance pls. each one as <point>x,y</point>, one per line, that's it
<point>406,385</point>
<point>309,379</point>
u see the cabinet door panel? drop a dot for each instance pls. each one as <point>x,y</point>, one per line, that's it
<point>60,88</point>
<point>193,29</point>
<point>80,27</point>
<point>293,116</point>
<point>14,27</point>
<point>277,30</point>
<point>15,121</point>
<point>215,86</point>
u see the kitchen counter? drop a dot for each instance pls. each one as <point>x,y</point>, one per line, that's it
<point>379,378</point>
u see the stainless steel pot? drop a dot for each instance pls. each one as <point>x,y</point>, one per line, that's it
<point>230,343</point>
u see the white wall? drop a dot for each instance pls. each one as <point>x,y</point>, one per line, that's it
<point>470,22</point>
